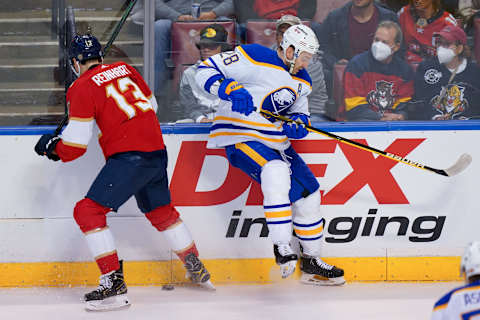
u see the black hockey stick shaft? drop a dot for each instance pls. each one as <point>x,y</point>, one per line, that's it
<point>448,172</point>
<point>106,49</point>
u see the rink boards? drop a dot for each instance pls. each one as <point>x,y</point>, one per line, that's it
<point>385,221</point>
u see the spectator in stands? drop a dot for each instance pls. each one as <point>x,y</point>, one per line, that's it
<point>378,83</point>
<point>348,31</point>
<point>448,86</point>
<point>271,9</point>
<point>167,11</point>
<point>419,20</point>
<point>394,5</point>
<point>199,105</point>
<point>318,98</point>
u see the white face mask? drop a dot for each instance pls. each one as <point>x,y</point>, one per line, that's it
<point>445,55</point>
<point>381,51</point>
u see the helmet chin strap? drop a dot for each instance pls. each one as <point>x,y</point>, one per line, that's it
<point>292,62</point>
<point>74,70</point>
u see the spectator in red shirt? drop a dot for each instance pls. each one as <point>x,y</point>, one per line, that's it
<point>419,21</point>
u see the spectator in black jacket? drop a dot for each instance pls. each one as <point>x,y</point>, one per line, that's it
<point>448,86</point>
<point>348,31</point>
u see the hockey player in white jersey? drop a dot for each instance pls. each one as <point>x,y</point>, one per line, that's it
<point>253,78</point>
<point>463,302</point>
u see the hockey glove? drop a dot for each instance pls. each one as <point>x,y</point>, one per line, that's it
<point>294,130</point>
<point>46,145</point>
<point>239,96</point>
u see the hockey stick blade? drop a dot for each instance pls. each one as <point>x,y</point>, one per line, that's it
<point>462,163</point>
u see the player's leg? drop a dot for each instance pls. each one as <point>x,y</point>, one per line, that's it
<point>267,167</point>
<point>154,200</point>
<point>111,293</point>
<point>118,180</point>
<point>308,225</point>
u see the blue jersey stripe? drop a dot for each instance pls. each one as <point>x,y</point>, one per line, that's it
<point>232,126</point>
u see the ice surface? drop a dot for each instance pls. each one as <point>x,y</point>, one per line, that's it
<point>283,300</point>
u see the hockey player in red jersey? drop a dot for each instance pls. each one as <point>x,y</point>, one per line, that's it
<point>118,100</point>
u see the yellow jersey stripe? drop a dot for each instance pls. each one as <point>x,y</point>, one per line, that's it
<point>81,119</point>
<point>400,101</point>
<point>308,232</point>
<point>263,64</point>
<point>278,214</point>
<point>351,103</point>
<point>302,80</point>
<point>439,307</point>
<point>76,145</point>
<point>213,135</point>
<point>254,155</point>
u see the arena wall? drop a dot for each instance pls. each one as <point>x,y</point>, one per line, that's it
<point>385,221</point>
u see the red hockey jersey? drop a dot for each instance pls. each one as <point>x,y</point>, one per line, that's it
<point>117,98</point>
<point>418,36</point>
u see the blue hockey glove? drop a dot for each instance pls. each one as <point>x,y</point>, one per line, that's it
<point>239,96</point>
<point>294,130</point>
<point>46,145</point>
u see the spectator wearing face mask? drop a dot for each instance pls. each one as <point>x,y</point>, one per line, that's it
<point>448,85</point>
<point>379,83</point>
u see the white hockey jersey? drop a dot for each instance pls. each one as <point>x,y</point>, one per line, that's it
<point>273,88</point>
<point>460,303</point>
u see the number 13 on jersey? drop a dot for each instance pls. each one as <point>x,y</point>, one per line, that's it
<point>118,93</point>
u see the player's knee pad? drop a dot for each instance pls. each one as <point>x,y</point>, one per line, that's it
<point>163,217</point>
<point>307,210</point>
<point>275,182</point>
<point>90,215</point>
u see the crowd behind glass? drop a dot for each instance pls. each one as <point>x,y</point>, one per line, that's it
<point>421,67</point>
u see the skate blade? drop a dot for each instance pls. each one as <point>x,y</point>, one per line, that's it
<point>108,304</point>
<point>317,280</point>
<point>208,285</point>
<point>288,268</point>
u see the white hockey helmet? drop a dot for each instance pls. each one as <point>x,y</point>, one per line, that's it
<point>301,38</point>
<point>470,264</point>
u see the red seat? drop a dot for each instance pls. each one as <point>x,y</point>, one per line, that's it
<point>326,7</point>
<point>185,35</point>
<point>338,84</point>
<point>476,23</point>
<point>263,31</point>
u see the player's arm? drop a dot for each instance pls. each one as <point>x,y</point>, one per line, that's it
<point>74,139</point>
<point>217,77</point>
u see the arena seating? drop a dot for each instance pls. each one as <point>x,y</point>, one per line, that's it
<point>263,31</point>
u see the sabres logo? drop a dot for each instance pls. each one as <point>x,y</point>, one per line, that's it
<point>279,101</point>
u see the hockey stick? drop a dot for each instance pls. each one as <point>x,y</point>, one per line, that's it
<point>106,49</point>
<point>462,163</point>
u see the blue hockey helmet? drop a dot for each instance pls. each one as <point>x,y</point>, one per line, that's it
<point>85,47</point>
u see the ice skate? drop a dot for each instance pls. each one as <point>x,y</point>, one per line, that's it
<point>285,258</point>
<point>317,272</point>
<point>197,272</point>
<point>111,292</point>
